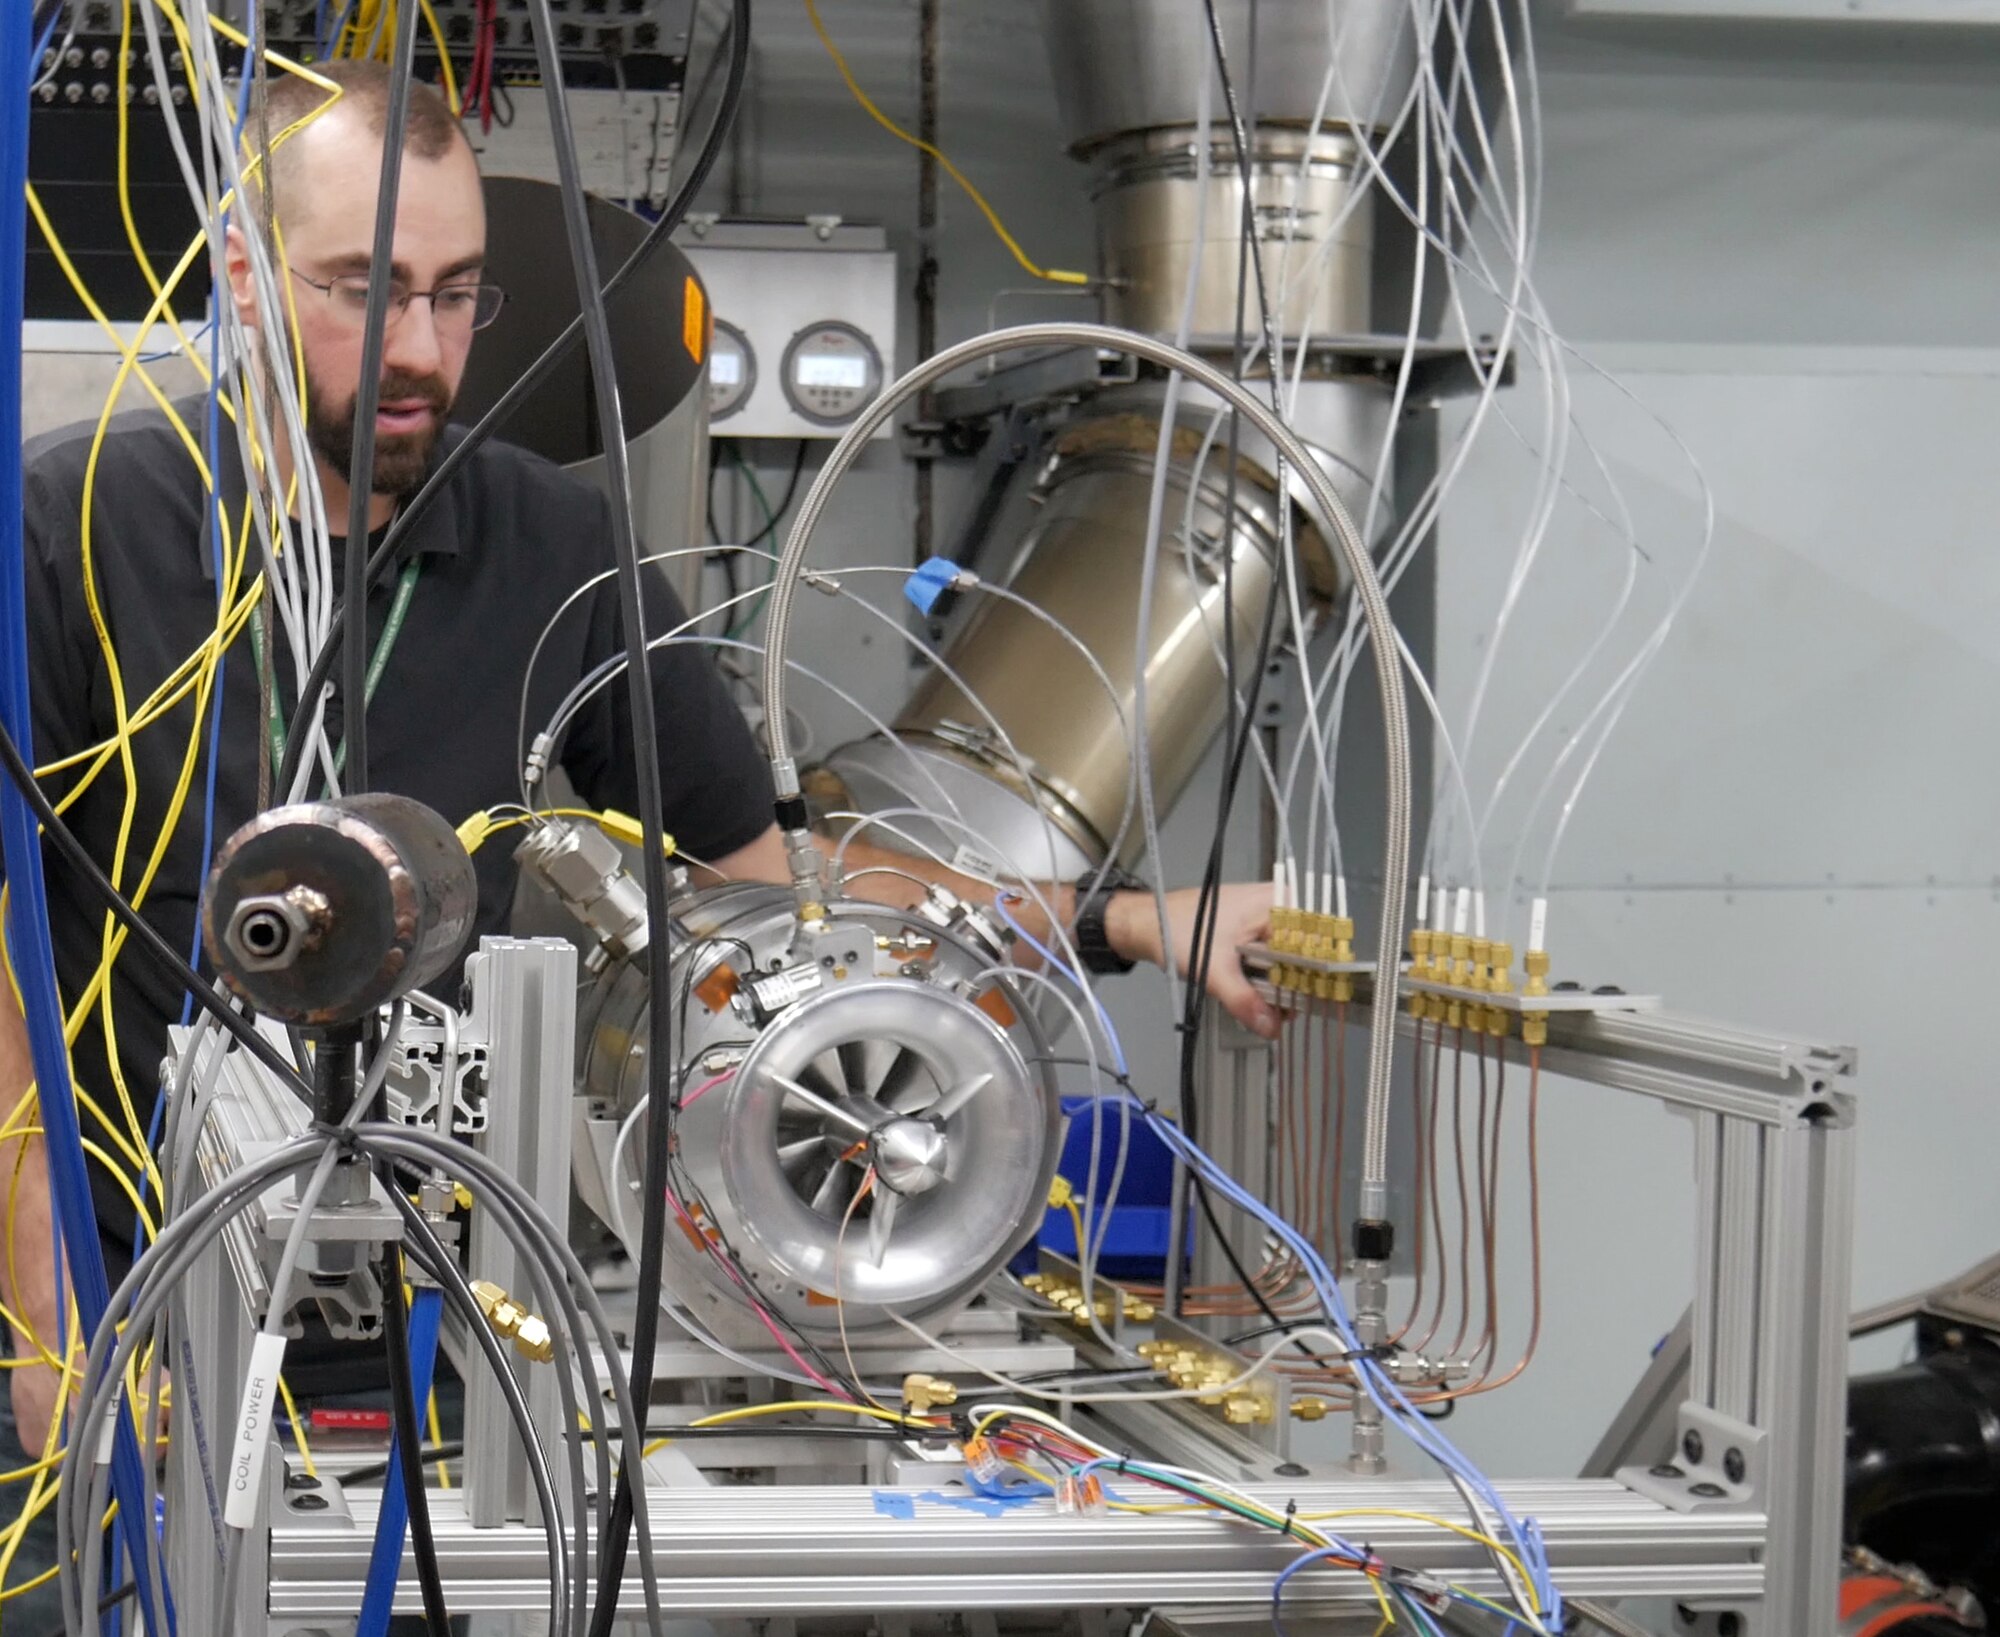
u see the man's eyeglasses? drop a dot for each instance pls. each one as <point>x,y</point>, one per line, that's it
<point>460,307</point>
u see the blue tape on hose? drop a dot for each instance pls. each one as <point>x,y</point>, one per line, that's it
<point>385,1558</point>
<point>928,586</point>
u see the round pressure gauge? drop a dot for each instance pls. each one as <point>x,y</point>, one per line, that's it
<point>732,371</point>
<point>832,370</point>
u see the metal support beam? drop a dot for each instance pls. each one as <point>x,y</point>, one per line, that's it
<point>799,1551</point>
<point>524,1007</point>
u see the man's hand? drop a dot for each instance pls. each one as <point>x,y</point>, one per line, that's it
<point>1242,916</point>
<point>28,1280</point>
<point>33,1385</point>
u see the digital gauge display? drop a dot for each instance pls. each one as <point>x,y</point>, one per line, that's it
<point>831,372</point>
<point>732,371</point>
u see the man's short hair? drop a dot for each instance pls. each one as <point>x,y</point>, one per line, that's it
<point>429,132</point>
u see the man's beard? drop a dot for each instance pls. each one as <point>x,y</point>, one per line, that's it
<point>400,458</point>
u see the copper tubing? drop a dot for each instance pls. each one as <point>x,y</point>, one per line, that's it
<point>1421,1162</point>
<point>1534,1241</point>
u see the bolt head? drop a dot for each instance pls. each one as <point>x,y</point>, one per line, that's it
<point>1733,1465</point>
<point>1691,1446</point>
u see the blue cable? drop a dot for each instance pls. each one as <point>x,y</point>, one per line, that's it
<point>339,23</point>
<point>385,1558</point>
<point>1380,1386</point>
<point>29,937</point>
<point>1062,966</point>
<point>1527,1538</point>
<point>42,45</point>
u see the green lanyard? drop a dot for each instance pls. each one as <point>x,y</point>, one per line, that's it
<point>378,662</point>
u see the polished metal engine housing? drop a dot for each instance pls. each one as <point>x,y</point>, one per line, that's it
<point>867,1118</point>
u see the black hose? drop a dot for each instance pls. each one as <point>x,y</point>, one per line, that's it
<point>1249,264</point>
<point>596,329</point>
<point>409,1435</point>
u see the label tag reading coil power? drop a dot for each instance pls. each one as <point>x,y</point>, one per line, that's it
<point>246,1460</point>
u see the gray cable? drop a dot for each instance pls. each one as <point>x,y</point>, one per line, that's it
<point>141,1294</point>
<point>542,1245</point>
<point>1329,510</point>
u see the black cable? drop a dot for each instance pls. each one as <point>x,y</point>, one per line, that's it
<point>429,1254</point>
<point>596,328</point>
<point>1250,263</point>
<point>162,953</point>
<point>409,1436</point>
<point>105,1605</point>
<point>376,1471</point>
<point>537,372</point>
<point>367,397</point>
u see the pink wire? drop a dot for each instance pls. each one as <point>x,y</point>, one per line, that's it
<point>707,1086</point>
<point>723,1262</point>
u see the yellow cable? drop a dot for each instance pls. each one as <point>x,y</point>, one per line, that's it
<point>298,1429</point>
<point>749,1412</point>
<point>104,323</point>
<point>444,58</point>
<point>437,1437</point>
<point>723,1418</point>
<point>176,687</point>
<point>1506,1553</point>
<point>1051,274</point>
<point>200,678</point>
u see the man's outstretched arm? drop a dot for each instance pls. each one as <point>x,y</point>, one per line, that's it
<point>1131,921</point>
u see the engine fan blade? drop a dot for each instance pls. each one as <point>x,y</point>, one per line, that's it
<point>957,1097</point>
<point>881,1217</point>
<point>908,1085</point>
<point>814,1101</point>
<point>835,1189</point>
<point>867,1064</point>
<point>794,1157</point>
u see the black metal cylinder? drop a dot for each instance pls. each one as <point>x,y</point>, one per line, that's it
<point>319,913</point>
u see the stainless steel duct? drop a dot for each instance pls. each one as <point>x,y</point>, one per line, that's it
<point>659,331</point>
<point>1046,781</point>
<point>1134,65</point>
<point>1048,790</point>
<point>1315,240</point>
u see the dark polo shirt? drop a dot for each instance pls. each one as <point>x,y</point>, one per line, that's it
<point>510,538</point>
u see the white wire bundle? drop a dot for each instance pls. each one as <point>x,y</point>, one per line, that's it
<point>258,378</point>
<point>1476,215</point>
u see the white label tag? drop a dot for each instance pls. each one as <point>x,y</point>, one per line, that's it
<point>246,1461</point>
<point>976,864</point>
<point>1538,924</point>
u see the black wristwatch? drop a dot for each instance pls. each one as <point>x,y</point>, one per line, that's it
<point>1093,896</point>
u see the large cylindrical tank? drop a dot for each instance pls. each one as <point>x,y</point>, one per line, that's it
<point>659,335</point>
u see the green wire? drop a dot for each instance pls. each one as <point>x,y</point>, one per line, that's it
<point>378,662</point>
